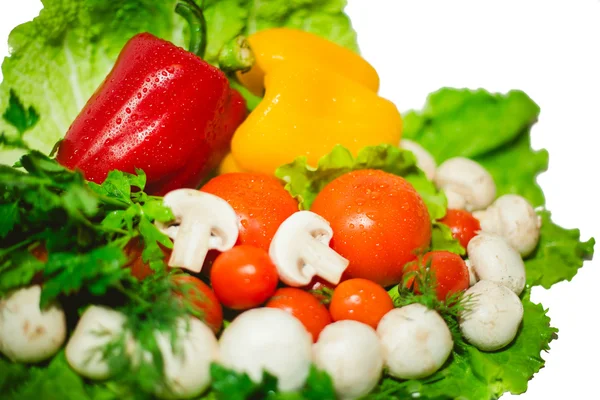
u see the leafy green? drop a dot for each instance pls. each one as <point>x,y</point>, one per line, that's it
<point>231,385</point>
<point>474,375</point>
<point>304,182</point>
<point>500,125</point>
<point>559,254</point>
<point>21,118</point>
<point>442,239</point>
<point>54,209</point>
<point>61,57</point>
<point>471,123</point>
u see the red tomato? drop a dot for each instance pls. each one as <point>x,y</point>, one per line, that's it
<point>463,224</point>
<point>379,223</point>
<point>203,298</point>
<point>304,306</point>
<point>133,250</point>
<point>360,300</point>
<point>243,277</point>
<point>451,272</point>
<point>260,202</point>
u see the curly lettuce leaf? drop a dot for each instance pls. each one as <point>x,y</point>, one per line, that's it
<point>503,147</point>
<point>442,239</point>
<point>304,182</point>
<point>476,375</point>
<point>559,255</point>
<point>62,56</point>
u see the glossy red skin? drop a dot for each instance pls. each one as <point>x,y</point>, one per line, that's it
<point>360,300</point>
<point>243,277</point>
<point>204,299</point>
<point>304,306</point>
<point>463,225</point>
<point>379,223</point>
<point>259,200</point>
<point>161,109</point>
<point>451,272</point>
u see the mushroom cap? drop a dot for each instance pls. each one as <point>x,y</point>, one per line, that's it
<point>187,366</point>
<point>352,355</point>
<point>416,341</point>
<point>493,317</point>
<point>268,339</point>
<point>97,327</point>
<point>425,160</point>
<point>28,334</point>
<point>493,259</point>
<point>460,176</point>
<point>512,217</point>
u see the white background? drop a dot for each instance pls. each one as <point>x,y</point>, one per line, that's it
<point>549,49</point>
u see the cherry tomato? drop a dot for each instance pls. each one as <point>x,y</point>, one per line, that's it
<point>260,202</point>
<point>304,306</point>
<point>243,277</point>
<point>360,300</point>
<point>379,223</point>
<point>204,299</point>
<point>451,272</point>
<point>133,250</point>
<point>463,224</point>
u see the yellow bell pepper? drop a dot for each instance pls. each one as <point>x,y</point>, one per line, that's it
<point>274,46</point>
<point>308,110</point>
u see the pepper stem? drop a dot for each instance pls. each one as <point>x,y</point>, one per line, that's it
<point>193,14</point>
<point>236,55</point>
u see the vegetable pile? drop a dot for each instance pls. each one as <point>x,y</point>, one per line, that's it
<point>250,219</point>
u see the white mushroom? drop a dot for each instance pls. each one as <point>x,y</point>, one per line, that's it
<point>492,318</point>
<point>186,367</point>
<point>416,341</point>
<point>513,218</point>
<point>467,184</point>
<point>97,327</point>
<point>300,250</point>
<point>203,222</point>
<point>493,259</point>
<point>350,352</point>
<point>472,276</point>
<point>268,339</point>
<point>425,161</point>
<point>27,333</point>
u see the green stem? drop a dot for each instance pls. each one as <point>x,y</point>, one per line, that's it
<point>236,56</point>
<point>193,14</point>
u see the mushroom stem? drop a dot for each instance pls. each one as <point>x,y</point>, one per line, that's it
<point>191,245</point>
<point>321,259</point>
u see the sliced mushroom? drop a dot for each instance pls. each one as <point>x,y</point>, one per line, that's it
<point>425,160</point>
<point>492,318</point>
<point>85,351</point>
<point>512,217</point>
<point>467,184</point>
<point>300,250</point>
<point>27,333</point>
<point>203,222</point>
<point>186,365</point>
<point>268,339</point>
<point>493,259</point>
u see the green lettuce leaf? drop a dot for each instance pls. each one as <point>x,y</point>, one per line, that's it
<point>494,130</point>
<point>559,255</point>
<point>304,182</point>
<point>442,239</point>
<point>471,123</point>
<point>62,56</point>
<point>477,375</point>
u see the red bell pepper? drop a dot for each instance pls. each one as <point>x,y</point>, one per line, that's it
<point>162,109</point>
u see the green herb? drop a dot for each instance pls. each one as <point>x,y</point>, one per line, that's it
<point>82,227</point>
<point>21,118</point>
<point>304,182</point>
